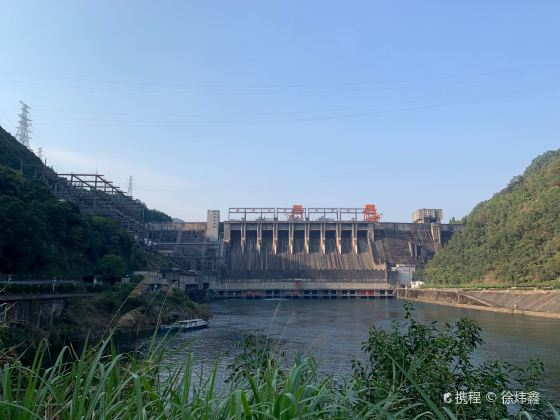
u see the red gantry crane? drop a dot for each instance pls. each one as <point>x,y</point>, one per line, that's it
<point>370,213</point>
<point>298,213</point>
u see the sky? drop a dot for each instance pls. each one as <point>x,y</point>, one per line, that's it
<point>218,104</point>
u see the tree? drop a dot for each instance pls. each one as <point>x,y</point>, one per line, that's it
<point>112,267</point>
<point>419,363</point>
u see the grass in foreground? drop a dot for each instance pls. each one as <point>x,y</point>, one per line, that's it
<point>405,373</point>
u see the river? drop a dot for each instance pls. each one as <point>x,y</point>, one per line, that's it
<point>333,331</point>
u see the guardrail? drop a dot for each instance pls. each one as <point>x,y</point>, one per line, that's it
<point>43,296</point>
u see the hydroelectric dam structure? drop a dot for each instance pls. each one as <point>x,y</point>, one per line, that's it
<point>310,253</point>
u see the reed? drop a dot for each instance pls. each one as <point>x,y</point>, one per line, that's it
<point>103,384</point>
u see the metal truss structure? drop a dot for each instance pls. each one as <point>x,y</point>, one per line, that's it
<point>97,196</point>
<point>298,213</point>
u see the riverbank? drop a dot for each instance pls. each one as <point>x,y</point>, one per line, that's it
<point>120,309</point>
<point>535,302</point>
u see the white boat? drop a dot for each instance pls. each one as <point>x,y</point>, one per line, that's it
<point>187,324</point>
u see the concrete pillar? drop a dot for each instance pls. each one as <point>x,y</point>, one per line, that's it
<point>306,237</point>
<point>322,240</point>
<point>371,234</point>
<point>243,236</point>
<point>259,237</point>
<point>275,238</point>
<point>339,238</point>
<point>227,233</point>
<point>436,235</point>
<point>355,238</point>
<point>291,238</point>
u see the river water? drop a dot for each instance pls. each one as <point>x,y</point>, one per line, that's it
<point>333,330</point>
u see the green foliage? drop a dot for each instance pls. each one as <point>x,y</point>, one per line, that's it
<point>405,376</point>
<point>112,267</point>
<point>256,353</point>
<point>100,383</point>
<point>119,306</point>
<point>420,363</point>
<point>153,216</point>
<point>512,238</point>
<point>14,155</point>
<point>43,236</point>
<point>46,237</point>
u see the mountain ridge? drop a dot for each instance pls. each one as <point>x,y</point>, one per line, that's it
<point>511,238</point>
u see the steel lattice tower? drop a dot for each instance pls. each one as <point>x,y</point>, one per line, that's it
<point>24,128</point>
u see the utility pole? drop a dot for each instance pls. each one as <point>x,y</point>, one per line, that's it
<point>24,128</point>
<point>130,186</point>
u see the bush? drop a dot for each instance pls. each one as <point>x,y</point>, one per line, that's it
<point>112,268</point>
<point>420,363</point>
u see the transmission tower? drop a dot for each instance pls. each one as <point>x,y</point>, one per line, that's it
<point>130,186</point>
<point>24,128</point>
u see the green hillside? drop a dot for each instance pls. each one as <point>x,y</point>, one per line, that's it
<point>512,238</point>
<point>44,237</point>
<point>14,155</point>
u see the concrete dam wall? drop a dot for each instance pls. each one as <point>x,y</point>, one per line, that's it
<point>313,252</point>
<point>309,254</point>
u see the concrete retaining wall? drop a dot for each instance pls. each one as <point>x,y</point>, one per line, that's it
<point>31,312</point>
<point>544,303</point>
<point>37,310</point>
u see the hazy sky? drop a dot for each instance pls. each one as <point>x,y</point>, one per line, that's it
<point>217,104</point>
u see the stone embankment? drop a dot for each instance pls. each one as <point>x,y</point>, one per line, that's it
<point>534,302</point>
<point>35,309</point>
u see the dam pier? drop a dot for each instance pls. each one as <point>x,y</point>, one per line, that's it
<point>296,252</point>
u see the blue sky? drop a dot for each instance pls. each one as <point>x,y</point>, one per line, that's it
<point>217,104</point>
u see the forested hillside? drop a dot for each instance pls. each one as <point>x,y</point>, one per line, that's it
<point>44,237</point>
<point>512,238</point>
<point>14,155</point>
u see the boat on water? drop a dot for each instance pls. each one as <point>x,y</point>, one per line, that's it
<point>185,325</point>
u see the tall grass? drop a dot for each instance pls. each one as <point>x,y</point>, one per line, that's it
<point>100,383</point>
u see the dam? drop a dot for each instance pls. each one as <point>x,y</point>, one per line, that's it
<point>304,252</point>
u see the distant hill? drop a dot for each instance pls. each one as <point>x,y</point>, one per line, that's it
<point>153,215</point>
<point>512,238</point>
<point>45,237</point>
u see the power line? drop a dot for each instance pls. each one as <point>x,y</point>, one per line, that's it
<point>280,85</point>
<point>8,120</point>
<point>360,112</point>
<point>115,119</point>
<point>246,89</point>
